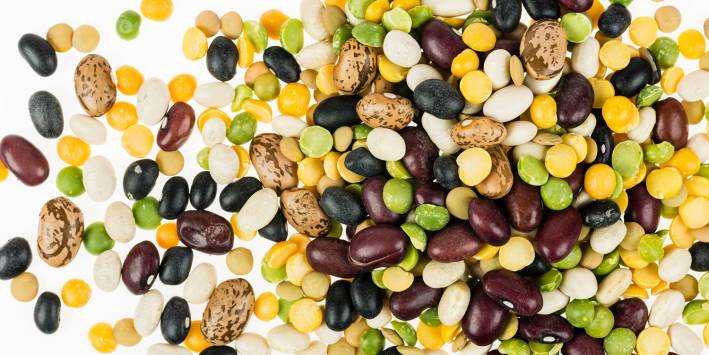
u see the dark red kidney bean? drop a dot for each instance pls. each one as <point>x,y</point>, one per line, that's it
<point>277,229</point>
<point>439,98</point>
<point>205,231</point>
<point>175,130</point>
<point>512,291</point>
<point>222,56</point>
<point>373,201</point>
<point>367,298</point>
<point>407,305</point>
<point>430,193</point>
<point>631,313</point>
<point>546,329</point>
<point>700,256</point>
<point>574,100</point>
<point>440,43</point>
<point>445,171</point>
<point>575,180</point>
<point>139,178</point>
<point>485,320</point>
<point>219,350</point>
<point>523,206</point>
<point>175,196</point>
<point>420,153</point>
<point>362,162</point>
<point>15,258</point>
<point>614,21</point>
<point>583,344</point>
<point>671,123</point>
<point>630,80</point>
<point>235,194</point>
<point>330,256</point>
<point>337,111</point>
<point>38,53</point>
<point>342,206</point>
<point>46,114</point>
<point>175,265</point>
<point>455,242</point>
<point>540,9</point>
<point>537,268</point>
<point>576,5</point>
<point>511,45</point>
<point>282,63</point>
<point>24,160</point>
<point>598,214</point>
<point>558,234</point>
<point>203,190</point>
<point>47,312</point>
<point>141,267</point>
<point>603,136</point>
<point>488,222</point>
<point>378,246</point>
<point>339,310</point>
<point>643,208</point>
<point>506,14</point>
<point>175,320</point>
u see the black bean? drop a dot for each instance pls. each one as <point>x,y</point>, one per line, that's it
<point>339,310</point>
<point>282,63</point>
<point>15,258</point>
<point>537,268</point>
<point>235,194</point>
<point>342,206</point>
<point>367,298</point>
<point>175,265</point>
<point>222,56</point>
<point>506,14</point>
<point>614,21</point>
<point>46,312</point>
<point>540,9</point>
<point>38,53</point>
<point>219,350</point>
<point>337,111</point>
<point>175,320</point>
<point>439,98</point>
<point>654,65</point>
<point>203,191</point>
<point>277,229</point>
<point>175,197</point>
<point>445,170</point>
<point>630,80</point>
<point>46,114</point>
<point>598,214</point>
<point>603,137</point>
<point>700,256</point>
<point>390,351</point>
<point>139,178</point>
<point>362,162</point>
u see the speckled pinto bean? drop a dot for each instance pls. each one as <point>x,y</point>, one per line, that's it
<point>558,234</point>
<point>643,208</point>
<point>378,246</point>
<point>409,304</point>
<point>330,256</point>
<point>373,201</point>
<point>488,222</point>
<point>455,242</point>
<point>512,291</point>
<point>523,206</point>
<point>485,320</point>
<point>546,329</point>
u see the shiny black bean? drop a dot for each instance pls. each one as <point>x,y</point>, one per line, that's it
<point>546,329</point>
<point>540,9</point>
<point>390,351</point>
<point>46,114</point>
<point>373,201</point>
<point>362,162</point>
<point>603,136</point>
<point>330,256</point>
<point>614,21</point>
<point>598,214</point>
<point>175,197</point>
<point>219,350</point>
<point>139,178</point>
<point>455,242</point>
<point>420,153</point>
<point>381,245</point>
<point>203,191</point>
<point>46,312</point>
<point>430,193</point>
<point>235,194</point>
<point>277,229</point>
<point>282,63</point>
<point>506,14</point>
<point>402,88</point>
<point>630,80</point>
<point>339,310</point>
<point>485,320</point>
<point>513,292</point>
<point>537,268</point>
<point>342,206</point>
<point>222,56</point>
<point>700,256</point>
<point>488,222</point>
<point>337,111</point>
<point>439,98</point>
<point>175,320</point>
<point>141,267</point>
<point>558,234</point>
<point>631,313</point>
<point>523,206</point>
<point>655,68</point>
<point>583,344</point>
<point>38,53</point>
<point>407,305</point>
<point>15,258</point>
<point>175,265</point>
<point>367,298</point>
<point>643,208</point>
<point>445,171</point>
<point>574,100</point>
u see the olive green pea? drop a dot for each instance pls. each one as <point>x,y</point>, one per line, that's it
<point>396,169</point>
<point>70,181</point>
<point>620,341</point>
<point>696,312</point>
<point>257,34</point>
<point>416,235</point>
<point>609,263</point>
<point>549,281</point>
<point>602,323</point>
<point>291,35</point>
<point>341,35</point>
<point>666,51</point>
<point>658,153</point>
<point>397,19</point>
<point>284,309</point>
<point>570,260</point>
<point>146,213</point>
<point>128,25</point>
<point>577,26</point>
<point>532,171</point>
<point>411,258</point>
<point>650,247</point>
<point>267,87</point>
<point>361,131</point>
<point>627,157</point>
<point>420,14</point>
<point>430,317</point>
<point>405,331</point>
<point>370,34</point>
<point>203,158</point>
<point>479,16</point>
<point>398,195</point>
<point>557,194</point>
<point>272,275</point>
<point>242,129</point>
<point>241,93</point>
<point>371,342</point>
<point>648,96</point>
<point>431,217</point>
<point>315,141</point>
<point>358,7</point>
<point>514,346</point>
<point>335,229</point>
<point>580,313</point>
<point>96,239</point>
<point>668,212</point>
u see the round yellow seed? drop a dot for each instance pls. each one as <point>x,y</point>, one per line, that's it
<point>691,44</point>
<point>170,163</point>
<point>560,160</point>
<point>240,261</point>
<point>194,43</point>
<point>266,306</point>
<point>474,165</point>
<point>24,287</point>
<point>643,31</point>
<point>85,38</point>
<point>663,183</point>
<point>476,86</point>
<point>653,341</point>
<point>480,37</point>
<point>397,279</point>
<point>517,253</point>
<point>305,315</point>
<point>614,54</point>
<point>60,36</point>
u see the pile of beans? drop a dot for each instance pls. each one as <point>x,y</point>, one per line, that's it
<point>453,176</point>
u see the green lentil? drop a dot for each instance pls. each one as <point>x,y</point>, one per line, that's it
<point>650,247</point>
<point>430,317</point>
<point>580,313</point>
<point>272,275</point>
<point>242,128</point>
<point>621,341</point>
<point>696,312</point>
<point>416,235</point>
<point>315,141</point>
<point>648,96</point>
<point>378,278</point>
<point>556,194</point>
<point>666,51</point>
<point>577,26</point>
<point>627,157</point>
<point>241,93</point>
<point>419,15</point>
<point>256,34</point>
<point>361,131</point>
<point>532,171</point>
<point>411,258</point>
<point>96,239</point>
<point>70,181</point>
<point>291,35</point>
<point>203,158</point>
<point>358,7</point>
<point>570,260</point>
<point>267,87</point>
<point>398,195</point>
<point>396,169</point>
<point>371,342</point>
<point>146,213</point>
<point>370,34</point>
<point>658,153</point>
<point>397,19</point>
<point>602,323</point>
<point>431,217</point>
<point>341,35</point>
<point>609,263</point>
<point>514,346</point>
<point>550,280</point>
<point>405,331</point>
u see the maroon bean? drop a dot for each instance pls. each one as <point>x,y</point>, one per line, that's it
<point>576,5</point>
<point>440,43</point>
<point>330,256</point>
<point>558,233</point>
<point>408,304</point>
<point>575,180</point>
<point>430,193</point>
<point>643,208</point>
<point>205,231</point>
<point>671,123</point>
<point>574,100</point>
<point>175,130</point>
<point>546,329</point>
<point>373,200</point>
<point>420,153</point>
<point>455,242</point>
<point>583,344</point>
<point>485,320</point>
<point>24,160</point>
<point>630,313</point>
<point>513,292</point>
<point>523,206</point>
<point>488,222</point>
<point>378,246</point>
<point>509,44</point>
<point>141,267</point>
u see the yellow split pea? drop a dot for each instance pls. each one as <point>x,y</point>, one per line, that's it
<point>474,165</point>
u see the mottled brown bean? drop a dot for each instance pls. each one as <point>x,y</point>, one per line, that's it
<point>523,206</point>
<point>373,201</point>
<point>409,304</point>
<point>453,243</point>
<point>378,246</point>
<point>488,222</point>
<point>512,291</point>
<point>558,234</point>
<point>546,329</point>
<point>643,208</point>
<point>671,123</point>
<point>485,320</point>
<point>330,256</point>
<point>176,128</point>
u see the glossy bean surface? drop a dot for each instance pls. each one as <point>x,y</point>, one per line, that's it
<point>513,292</point>
<point>558,234</point>
<point>141,267</point>
<point>24,160</point>
<point>205,231</point>
<point>378,246</point>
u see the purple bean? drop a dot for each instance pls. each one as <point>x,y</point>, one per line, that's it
<point>24,160</point>
<point>453,243</point>
<point>523,206</point>
<point>488,222</point>
<point>558,234</point>
<point>643,208</point>
<point>583,344</point>
<point>420,153</point>
<point>513,292</point>
<point>576,5</point>
<point>671,123</point>
<point>177,127</point>
<point>546,329</point>
<point>630,313</point>
<point>440,43</point>
<point>373,200</point>
<point>574,100</point>
<point>330,256</point>
<point>407,305</point>
<point>141,267</point>
<point>485,320</point>
<point>378,246</point>
<point>430,193</point>
<point>205,231</point>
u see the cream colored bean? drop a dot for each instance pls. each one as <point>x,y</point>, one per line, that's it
<point>288,126</point>
<point>401,49</point>
<point>474,349</point>
<point>147,313</point>
<point>605,240</point>
<point>471,108</point>
<point>258,210</point>
<point>99,178</point>
<point>382,318</point>
<point>119,222</point>
<point>89,129</point>
<point>200,283</point>
<point>584,57</point>
<point>684,340</point>
<point>666,308</point>
<point>420,73</point>
<point>223,164</point>
<point>582,199</point>
<point>497,68</point>
<point>439,275</point>
<point>450,8</point>
<point>386,144</point>
<point>312,22</point>
<point>315,348</point>
<point>214,95</point>
<point>316,55</point>
<point>699,144</point>
<point>287,339</point>
<point>252,344</point>
<point>519,132</point>
<point>454,303</point>
<point>694,86</point>
<point>530,148</point>
<point>327,335</point>
<point>613,286</point>
<point>153,101</point>
<point>107,271</point>
<point>214,132</point>
<point>553,302</point>
<point>439,130</point>
<point>674,265</point>
<point>676,200</point>
<point>508,103</point>
<point>167,349</point>
<point>586,128</point>
<point>642,132</point>
<point>541,86</point>
<point>579,283</point>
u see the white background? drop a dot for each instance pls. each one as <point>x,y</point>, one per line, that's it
<point>156,53</point>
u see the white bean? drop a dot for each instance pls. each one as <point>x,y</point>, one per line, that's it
<point>439,130</point>
<point>147,312</point>
<point>315,348</point>
<point>258,210</point>
<point>471,108</point>
<point>584,57</point>
<point>613,286</point>
<point>99,178</point>
<point>642,132</point>
<point>420,73</point>
<point>674,265</point>
<point>454,303</point>
<point>553,302</point>
<point>541,86</point>
<point>107,271</point>
<point>287,339</point>
<point>153,101</point>
<point>450,8</point>
<point>474,349</point>
<point>213,132</point>
<point>666,309</point>
<point>699,144</point>
<point>87,128</point>
<point>401,49</point>
<point>519,132</point>
<point>605,240</point>
<point>119,222</point>
<point>497,68</point>
<point>312,22</point>
<point>215,94</point>
<point>288,126</point>
<point>684,341</point>
<point>200,283</point>
<point>386,144</point>
<point>316,55</point>
<point>508,103</point>
<point>167,349</point>
<point>252,344</point>
<point>586,127</point>
<point>579,283</point>
<point>439,275</point>
<point>223,164</point>
<point>327,335</point>
<point>535,150</point>
<point>694,86</point>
